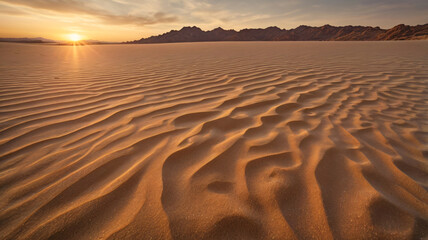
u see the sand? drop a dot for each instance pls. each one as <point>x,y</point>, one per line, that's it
<point>278,140</point>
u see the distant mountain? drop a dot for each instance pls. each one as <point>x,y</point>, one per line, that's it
<point>44,40</point>
<point>27,40</point>
<point>85,42</point>
<point>301,33</point>
<point>405,32</point>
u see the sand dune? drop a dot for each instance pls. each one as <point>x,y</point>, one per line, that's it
<point>302,140</point>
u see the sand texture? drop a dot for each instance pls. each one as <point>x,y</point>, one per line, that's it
<point>278,140</point>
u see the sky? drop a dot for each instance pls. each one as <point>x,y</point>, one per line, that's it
<point>125,20</point>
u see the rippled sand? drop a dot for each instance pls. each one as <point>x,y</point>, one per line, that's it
<point>277,140</point>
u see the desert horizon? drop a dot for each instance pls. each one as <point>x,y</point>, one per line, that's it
<point>326,32</point>
<point>121,128</point>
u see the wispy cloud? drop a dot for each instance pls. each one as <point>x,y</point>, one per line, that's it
<point>5,9</point>
<point>91,9</point>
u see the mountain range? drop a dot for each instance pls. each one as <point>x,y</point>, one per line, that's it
<point>45,40</point>
<point>27,40</point>
<point>301,33</point>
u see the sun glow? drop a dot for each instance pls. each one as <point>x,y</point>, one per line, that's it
<point>74,37</point>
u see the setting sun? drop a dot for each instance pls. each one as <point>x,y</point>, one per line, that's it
<point>74,37</point>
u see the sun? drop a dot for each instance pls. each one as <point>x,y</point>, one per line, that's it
<point>74,37</point>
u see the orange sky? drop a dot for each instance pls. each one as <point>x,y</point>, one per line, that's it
<point>123,20</point>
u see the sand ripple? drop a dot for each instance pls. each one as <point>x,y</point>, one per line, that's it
<point>214,141</point>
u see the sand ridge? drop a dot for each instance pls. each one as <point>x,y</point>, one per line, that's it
<point>214,141</point>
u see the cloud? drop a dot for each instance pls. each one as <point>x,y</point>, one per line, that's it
<point>158,17</point>
<point>4,9</point>
<point>162,15</point>
<point>78,7</point>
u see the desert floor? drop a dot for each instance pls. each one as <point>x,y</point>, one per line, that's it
<point>239,140</point>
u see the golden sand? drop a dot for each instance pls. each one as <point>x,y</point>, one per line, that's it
<point>278,140</point>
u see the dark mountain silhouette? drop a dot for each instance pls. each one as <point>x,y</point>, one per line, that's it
<point>27,40</point>
<point>301,33</point>
<point>404,32</point>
